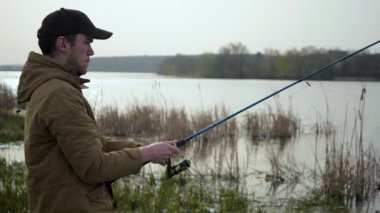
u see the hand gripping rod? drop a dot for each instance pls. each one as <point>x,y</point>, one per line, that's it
<point>185,140</point>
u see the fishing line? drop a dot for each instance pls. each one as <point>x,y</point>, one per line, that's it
<point>183,165</point>
<point>185,140</point>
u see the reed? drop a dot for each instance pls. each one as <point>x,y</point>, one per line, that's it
<point>176,124</point>
<point>136,121</point>
<point>351,173</point>
<point>149,121</point>
<point>325,128</point>
<point>7,97</point>
<point>276,165</point>
<point>271,125</point>
<point>287,170</point>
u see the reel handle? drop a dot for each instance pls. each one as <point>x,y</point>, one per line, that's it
<point>176,169</point>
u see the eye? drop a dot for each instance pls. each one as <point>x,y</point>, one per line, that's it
<point>89,41</point>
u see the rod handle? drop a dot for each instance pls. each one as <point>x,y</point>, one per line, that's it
<point>183,141</point>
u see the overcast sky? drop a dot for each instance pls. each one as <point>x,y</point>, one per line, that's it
<point>168,27</point>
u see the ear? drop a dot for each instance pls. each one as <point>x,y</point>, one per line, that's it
<point>62,45</point>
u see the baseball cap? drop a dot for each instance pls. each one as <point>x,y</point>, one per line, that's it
<point>69,22</point>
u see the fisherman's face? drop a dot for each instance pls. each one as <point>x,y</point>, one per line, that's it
<point>79,54</point>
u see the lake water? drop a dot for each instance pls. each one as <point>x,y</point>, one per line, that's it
<point>336,100</point>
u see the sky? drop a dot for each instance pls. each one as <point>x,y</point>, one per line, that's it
<point>169,27</point>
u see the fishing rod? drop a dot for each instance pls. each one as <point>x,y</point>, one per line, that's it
<point>185,164</point>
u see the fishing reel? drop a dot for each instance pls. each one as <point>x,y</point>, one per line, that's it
<point>176,169</point>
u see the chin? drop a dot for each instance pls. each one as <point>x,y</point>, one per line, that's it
<point>81,72</point>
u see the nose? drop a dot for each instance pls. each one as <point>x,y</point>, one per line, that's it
<point>91,51</point>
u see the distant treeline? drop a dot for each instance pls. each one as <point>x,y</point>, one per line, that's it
<point>117,64</point>
<point>127,63</point>
<point>10,67</point>
<point>234,61</point>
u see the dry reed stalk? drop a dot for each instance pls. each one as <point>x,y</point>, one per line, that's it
<point>324,127</point>
<point>145,120</point>
<point>273,157</point>
<point>269,125</point>
<point>109,121</point>
<point>137,121</point>
<point>7,97</point>
<point>176,124</point>
<point>351,178</point>
<point>152,121</point>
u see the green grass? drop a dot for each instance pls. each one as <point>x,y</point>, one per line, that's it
<point>317,201</point>
<point>11,127</point>
<point>13,196</point>
<point>138,194</point>
<point>178,195</point>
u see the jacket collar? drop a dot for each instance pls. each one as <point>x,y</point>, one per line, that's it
<point>40,68</point>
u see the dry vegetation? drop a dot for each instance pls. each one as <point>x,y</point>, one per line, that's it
<point>350,173</point>
<point>272,125</point>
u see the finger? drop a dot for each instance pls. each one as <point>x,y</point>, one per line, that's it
<point>174,143</point>
<point>174,150</point>
<point>171,149</point>
<point>170,142</point>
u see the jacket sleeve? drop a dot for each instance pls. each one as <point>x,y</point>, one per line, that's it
<point>112,144</point>
<point>76,133</point>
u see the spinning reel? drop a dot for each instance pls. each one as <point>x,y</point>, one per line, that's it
<point>177,168</point>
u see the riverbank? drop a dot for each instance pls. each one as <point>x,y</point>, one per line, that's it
<point>149,193</point>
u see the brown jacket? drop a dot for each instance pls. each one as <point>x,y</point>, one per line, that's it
<point>67,159</point>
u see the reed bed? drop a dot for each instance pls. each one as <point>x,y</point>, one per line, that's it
<point>350,178</point>
<point>149,121</point>
<point>7,97</point>
<point>352,173</point>
<point>137,121</point>
<point>279,125</point>
<point>146,121</point>
<point>11,124</point>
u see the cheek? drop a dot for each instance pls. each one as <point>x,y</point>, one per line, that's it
<point>82,54</point>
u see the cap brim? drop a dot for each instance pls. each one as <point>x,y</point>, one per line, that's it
<point>97,33</point>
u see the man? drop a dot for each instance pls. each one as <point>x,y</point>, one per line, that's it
<point>70,164</point>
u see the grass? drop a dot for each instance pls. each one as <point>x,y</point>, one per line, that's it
<point>11,127</point>
<point>139,194</point>
<point>163,196</point>
<point>11,124</point>
<point>13,196</point>
<point>316,201</point>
